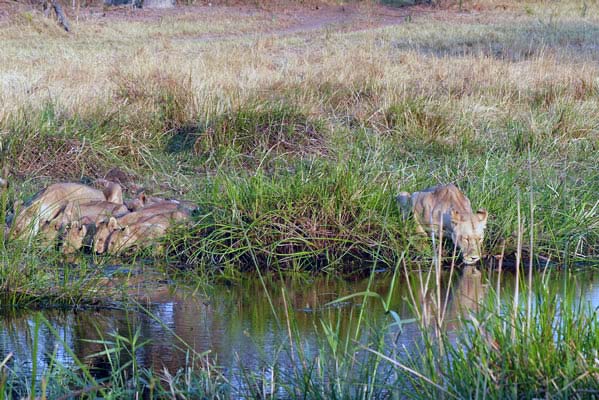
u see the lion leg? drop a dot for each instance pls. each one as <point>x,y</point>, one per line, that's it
<point>419,229</point>
<point>405,204</point>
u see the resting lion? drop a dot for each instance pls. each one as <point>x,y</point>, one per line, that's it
<point>50,203</point>
<point>104,229</point>
<point>74,237</point>
<point>144,232</point>
<point>448,205</point>
<point>79,222</point>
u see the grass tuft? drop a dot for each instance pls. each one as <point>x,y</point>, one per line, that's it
<point>257,130</point>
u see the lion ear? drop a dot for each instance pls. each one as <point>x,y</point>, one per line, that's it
<point>67,213</point>
<point>482,215</point>
<point>83,230</point>
<point>455,216</point>
<point>142,197</point>
<point>112,224</point>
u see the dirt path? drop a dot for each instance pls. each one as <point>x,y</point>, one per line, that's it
<point>348,18</point>
<point>287,20</point>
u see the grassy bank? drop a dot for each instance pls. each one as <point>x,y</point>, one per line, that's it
<point>294,146</point>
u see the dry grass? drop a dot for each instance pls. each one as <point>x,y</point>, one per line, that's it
<point>443,96</point>
<point>458,60</point>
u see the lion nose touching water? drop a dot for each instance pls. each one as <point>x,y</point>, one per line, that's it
<point>446,205</point>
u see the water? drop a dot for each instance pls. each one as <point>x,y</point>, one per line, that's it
<point>244,327</point>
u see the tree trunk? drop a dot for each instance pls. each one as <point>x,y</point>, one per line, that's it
<point>60,15</point>
<point>62,18</point>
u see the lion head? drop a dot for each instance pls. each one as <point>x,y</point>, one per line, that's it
<point>467,233</point>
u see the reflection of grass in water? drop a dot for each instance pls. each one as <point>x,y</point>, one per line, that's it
<point>549,353</point>
<point>461,352</point>
<point>400,108</point>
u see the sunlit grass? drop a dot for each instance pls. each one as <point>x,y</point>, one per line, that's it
<point>294,148</point>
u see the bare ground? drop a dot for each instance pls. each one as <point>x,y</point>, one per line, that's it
<point>287,19</point>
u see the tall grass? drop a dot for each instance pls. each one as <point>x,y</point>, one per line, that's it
<point>548,352</point>
<point>294,149</point>
<point>465,347</point>
<point>126,379</point>
<point>301,173</point>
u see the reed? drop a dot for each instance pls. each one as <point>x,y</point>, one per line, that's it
<point>294,149</point>
<point>297,168</point>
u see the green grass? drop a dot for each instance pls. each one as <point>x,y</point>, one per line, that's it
<point>278,188</point>
<point>294,149</point>
<point>549,353</point>
<point>489,350</point>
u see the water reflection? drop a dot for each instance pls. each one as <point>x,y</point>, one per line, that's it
<point>245,326</point>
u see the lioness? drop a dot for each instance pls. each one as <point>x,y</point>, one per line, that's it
<point>50,231</point>
<point>50,202</point>
<point>76,233</point>
<point>145,230</point>
<point>112,191</point>
<point>93,211</point>
<point>142,201</point>
<point>104,229</point>
<point>447,205</point>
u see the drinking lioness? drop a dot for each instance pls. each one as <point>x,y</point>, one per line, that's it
<point>446,205</point>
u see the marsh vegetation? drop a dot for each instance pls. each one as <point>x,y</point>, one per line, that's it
<point>293,140</point>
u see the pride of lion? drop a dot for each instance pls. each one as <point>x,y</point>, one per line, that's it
<point>76,215</point>
<point>445,206</point>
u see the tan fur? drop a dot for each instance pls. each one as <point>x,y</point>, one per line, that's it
<point>74,237</point>
<point>448,206</point>
<point>146,231</point>
<point>112,191</point>
<point>50,231</point>
<point>104,229</point>
<point>47,204</point>
<point>93,212</point>
<point>142,201</point>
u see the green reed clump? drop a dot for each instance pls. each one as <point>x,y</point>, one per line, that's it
<point>418,120</point>
<point>49,143</point>
<point>321,214</point>
<point>549,353</point>
<point>336,367</point>
<point>32,277</point>
<point>164,101</point>
<point>127,379</point>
